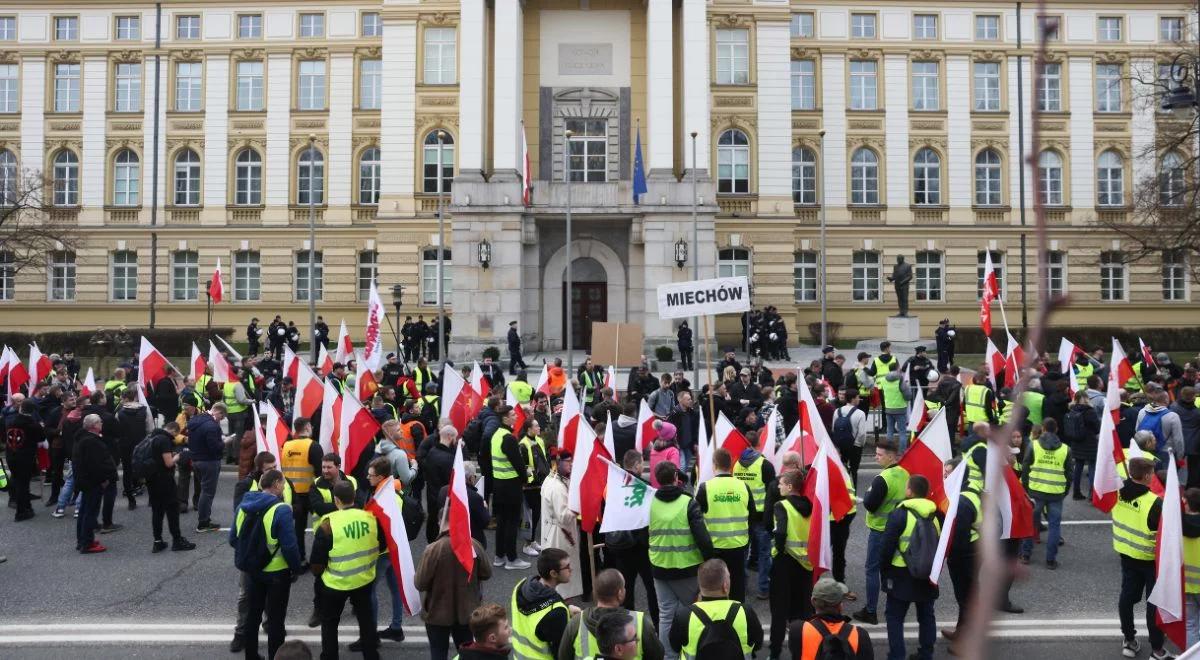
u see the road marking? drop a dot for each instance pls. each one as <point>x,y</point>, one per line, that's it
<point>1086,522</point>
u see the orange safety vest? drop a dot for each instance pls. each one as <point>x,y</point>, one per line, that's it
<point>811,638</point>
<point>406,438</point>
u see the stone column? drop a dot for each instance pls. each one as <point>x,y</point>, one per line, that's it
<point>660,85</point>
<point>695,83</point>
<point>506,101</point>
<point>472,88</point>
<point>278,162</point>
<point>774,119</point>
<point>216,136</point>
<point>92,162</point>
<point>398,116</point>
<point>342,168</point>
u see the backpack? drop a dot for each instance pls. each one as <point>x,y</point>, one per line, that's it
<point>250,553</point>
<point>718,640</point>
<point>834,646</point>
<point>1074,428</point>
<point>473,436</point>
<point>843,431</point>
<point>922,546</point>
<point>413,514</point>
<point>145,465</point>
<point>1152,422</point>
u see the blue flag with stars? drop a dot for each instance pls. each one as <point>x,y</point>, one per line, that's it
<point>639,171</point>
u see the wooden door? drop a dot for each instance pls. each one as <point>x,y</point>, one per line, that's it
<point>589,302</point>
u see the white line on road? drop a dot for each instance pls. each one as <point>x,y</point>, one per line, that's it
<point>1087,522</point>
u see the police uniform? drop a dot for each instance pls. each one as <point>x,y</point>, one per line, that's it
<point>348,544</point>
<point>728,507</point>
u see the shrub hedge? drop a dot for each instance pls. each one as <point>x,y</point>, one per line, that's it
<point>1184,338</point>
<point>170,341</point>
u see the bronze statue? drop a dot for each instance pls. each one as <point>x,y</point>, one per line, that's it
<point>901,277</point>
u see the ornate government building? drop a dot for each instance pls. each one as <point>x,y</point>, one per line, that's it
<point>895,122</point>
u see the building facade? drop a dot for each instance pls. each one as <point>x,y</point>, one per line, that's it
<point>899,125</point>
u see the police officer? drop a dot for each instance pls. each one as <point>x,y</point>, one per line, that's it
<point>728,507</point>
<point>679,542</point>
<point>539,614</point>
<point>789,548</point>
<point>346,545</point>
<point>515,361</point>
<point>1046,472</point>
<point>903,589</point>
<point>580,638</point>
<point>301,462</point>
<point>944,336</point>
<point>508,470</point>
<point>1135,520</point>
<point>716,604</point>
<point>885,493</point>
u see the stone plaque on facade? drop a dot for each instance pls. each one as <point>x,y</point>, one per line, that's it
<point>585,59</point>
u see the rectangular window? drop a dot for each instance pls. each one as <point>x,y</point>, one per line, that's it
<point>62,275</point>
<point>804,277</point>
<point>1049,90</point>
<point>129,88</point>
<point>9,88</point>
<point>250,86</point>
<point>865,276</point>
<point>863,81</point>
<point>124,276</point>
<point>440,64</point>
<point>1108,28</point>
<point>1112,276</point>
<point>987,86</point>
<point>66,28</point>
<point>1170,29</point>
<point>733,57</point>
<point>185,276</point>
<point>862,26</point>
<point>1174,275</point>
<point>250,26</point>
<point>1056,274</point>
<point>370,84</point>
<point>188,86</point>
<point>802,25</point>
<point>247,276</point>
<point>588,150</point>
<point>1048,26</point>
<point>305,260</point>
<point>429,277</point>
<point>187,27</point>
<point>987,28</point>
<point>66,88</point>
<point>8,28</point>
<point>368,273</point>
<point>925,26</point>
<point>928,275</point>
<point>311,95</point>
<point>372,26</point>
<point>1108,88</point>
<point>925,86</point>
<point>129,28</point>
<point>997,267</point>
<point>733,262</point>
<point>312,25</point>
<point>8,276</point>
<point>804,85</point>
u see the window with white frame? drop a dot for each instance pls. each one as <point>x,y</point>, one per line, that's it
<point>440,59</point>
<point>188,86</point>
<point>431,158</point>
<point>66,87</point>
<point>1170,28</point>
<point>249,86</point>
<point>250,26</point>
<point>804,276</point>
<point>1174,275</point>
<point>802,25</point>
<point>185,276</point>
<point>863,85</point>
<point>10,86</point>
<point>997,267</point>
<point>1047,26</point>
<point>8,276</point>
<point>187,178</point>
<point>369,176</point>
<point>733,262</point>
<point>864,177</point>
<point>988,174</point>
<point>247,176</point>
<point>310,177</point>
<point>925,26</point>
<point>1108,28</point>
<point>1110,179</point>
<point>66,178</point>
<point>1056,274</point>
<point>370,84</point>
<point>62,275</point>
<point>127,178</point>
<point>128,81</point>
<point>312,25</point>
<point>925,86</point>
<point>129,28</point>
<point>928,274</point>
<point>311,80</point>
<point>733,57</point>
<point>247,276</point>
<point>804,176</point>
<point>309,262</point>
<point>8,28</point>
<point>987,28</point>
<point>1049,89</point>
<point>368,273</point>
<point>733,162</point>
<point>804,85</point>
<point>927,178</point>
<point>124,276</point>
<point>1172,182</point>
<point>187,27</point>
<point>66,28</point>
<point>866,271</point>
<point>9,184</point>
<point>1112,276</point>
<point>372,26</point>
<point>1108,88</point>
<point>862,26</point>
<point>429,276</point>
<point>1050,178</point>
<point>987,86</point>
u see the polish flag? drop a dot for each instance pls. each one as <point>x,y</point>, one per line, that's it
<point>1147,356</point>
<point>955,484</point>
<point>262,442</point>
<point>645,432</point>
<point>526,171</point>
<point>826,488</point>
<point>460,515</point>
<point>1109,453</point>
<point>385,506</point>
<point>4,362</point>
<point>331,411</point>
<point>222,372</point>
<point>277,430</point>
<point>811,426</point>
<point>726,435</point>
<point>230,350</point>
<point>460,402</point>
<point>610,381</point>
<point>773,454</point>
<point>198,363</point>
<point>481,385</point>
<point>1066,360</point>
<point>309,392</point>
<point>344,349</point>
<point>1008,496</point>
<point>589,476</point>
<point>916,414</point>
<point>291,364</point>
<point>373,349</point>
<point>357,428</point>
<point>18,375</point>
<point>40,365</point>
<point>216,289</point>
<point>89,384</point>
<point>928,454</point>
<point>1122,370</point>
<point>991,291</point>
<point>1167,594</point>
<point>800,442</point>
<point>704,452</point>
<point>152,365</point>
<point>543,381</point>
<point>324,362</point>
<point>510,400</point>
<point>570,423</point>
<point>1013,361</point>
<point>995,363</point>
<point>364,381</point>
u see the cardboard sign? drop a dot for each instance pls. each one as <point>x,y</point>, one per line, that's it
<point>618,344</point>
<point>723,295</point>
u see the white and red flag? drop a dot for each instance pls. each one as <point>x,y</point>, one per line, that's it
<point>356,430</point>
<point>826,488</point>
<point>364,381</point>
<point>331,411</point>
<point>197,364</point>
<point>770,452</point>
<point>231,351</point>
<point>917,411</point>
<point>152,364</point>
<point>222,371</point>
<point>1066,362</point>
<point>40,365</point>
<point>460,402</point>
<point>385,506</point>
<point>216,289</point>
<point>589,474</point>
<point>727,436</point>
<point>569,424</point>
<point>1122,369</point>
<point>17,374</point>
<point>543,381</point>
<point>459,515</point>
<point>1013,360</point>
<point>291,364</point>
<point>265,437</point>
<point>309,392</point>
<point>519,413</point>
<point>1008,495</point>
<point>990,292</point>
<point>89,384</point>
<point>5,361</point>
<point>704,452</point>
<point>1147,356</point>
<point>927,455</point>
<point>645,432</point>
<point>1106,481</point>
<point>344,350</point>
<point>526,171</point>
<point>324,362</point>
<point>373,348</point>
<point>812,429</point>
<point>994,360</point>
<point>610,381</point>
<point>481,385</point>
<point>954,487</point>
<point>1168,592</point>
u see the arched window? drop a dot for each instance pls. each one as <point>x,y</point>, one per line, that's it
<point>1171,180</point>
<point>8,178</point>
<point>864,177</point>
<point>1110,179</point>
<point>733,162</point>
<point>927,178</point>
<point>1050,178</point>
<point>430,162</point>
<point>369,167</point>
<point>127,174</point>
<point>66,179</point>
<point>987,178</point>
<point>247,176</point>
<point>310,177</point>
<point>187,178</point>
<point>804,176</point>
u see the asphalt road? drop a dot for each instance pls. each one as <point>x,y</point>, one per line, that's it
<point>130,603</point>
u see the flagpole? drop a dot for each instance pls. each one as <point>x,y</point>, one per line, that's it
<point>591,561</point>
<point>208,294</point>
<point>712,406</point>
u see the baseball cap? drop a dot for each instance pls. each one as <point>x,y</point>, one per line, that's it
<point>828,590</point>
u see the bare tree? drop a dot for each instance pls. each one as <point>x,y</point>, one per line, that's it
<point>29,230</point>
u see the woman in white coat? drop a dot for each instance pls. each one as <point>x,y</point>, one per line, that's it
<point>558,522</point>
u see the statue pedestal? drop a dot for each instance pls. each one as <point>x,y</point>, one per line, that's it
<point>903,329</point>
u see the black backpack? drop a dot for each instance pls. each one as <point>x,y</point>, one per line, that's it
<point>413,514</point>
<point>145,464</point>
<point>922,546</point>
<point>834,646</point>
<point>843,431</point>
<point>1074,428</point>
<point>250,552</point>
<point>473,436</point>
<point>718,640</point>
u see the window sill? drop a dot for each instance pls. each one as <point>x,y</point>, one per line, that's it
<point>310,111</point>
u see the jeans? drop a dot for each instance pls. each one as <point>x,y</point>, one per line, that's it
<point>439,639</point>
<point>673,594</point>
<point>762,547</point>
<point>1191,617</point>
<point>384,573</point>
<point>332,603</point>
<point>685,456</point>
<point>208,471</point>
<point>1137,581</point>
<point>1087,487</point>
<point>896,611</point>
<point>897,423</point>
<point>86,523</point>
<point>266,593</point>
<point>874,539</point>
<point>67,494</point>
<point>1054,522</point>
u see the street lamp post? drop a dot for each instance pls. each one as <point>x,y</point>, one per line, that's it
<point>398,301</point>
<point>312,246</point>
<point>441,293</point>
<point>569,299</point>
<point>695,263</point>
<point>821,254</point>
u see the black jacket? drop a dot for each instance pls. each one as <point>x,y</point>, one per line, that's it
<point>480,516</point>
<point>92,461</point>
<point>514,340</point>
<point>109,429</point>
<point>132,422</point>
<point>436,467</point>
<point>831,372</point>
<point>897,581</point>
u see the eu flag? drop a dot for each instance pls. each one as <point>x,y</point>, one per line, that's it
<point>639,171</point>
